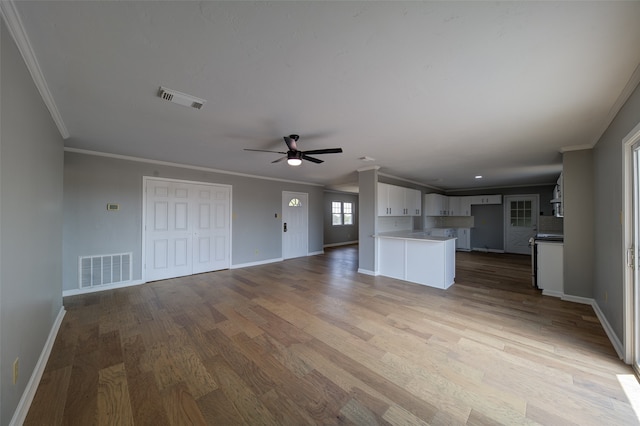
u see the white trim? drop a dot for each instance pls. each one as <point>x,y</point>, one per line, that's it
<point>553,293</point>
<point>345,243</point>
<point>485,188</point>
<point>183,166</point>
<point>367,272</point>
<point>86,290</point>
<point>617,345</point>
<point>315,253</point>
<point>628,89</point>
<point>364,169</point>
<point>485,250</point>
<point>24,404</point>
<point>627,242</point>
<point>258,263</point>
<point>409,181</point>
<point>16,28</point>
<point>575,148</point>
<point>578,299</point>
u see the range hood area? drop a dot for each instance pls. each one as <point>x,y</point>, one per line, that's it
<point>558,210</point>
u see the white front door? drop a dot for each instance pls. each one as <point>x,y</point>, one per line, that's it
<point>295,229</point>
<point>521,222</point>
<point>186,228</point>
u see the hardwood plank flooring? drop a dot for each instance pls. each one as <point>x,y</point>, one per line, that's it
<point>311,341</point>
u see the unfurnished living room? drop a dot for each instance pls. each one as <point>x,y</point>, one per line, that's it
<point>309,212</point>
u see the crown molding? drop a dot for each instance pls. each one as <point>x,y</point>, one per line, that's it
<point>628,89</point>
<point>575,148</point>
<point>182,166</point>
<point>411,181</point>
<point>364,169</point>
<point>16,29</point>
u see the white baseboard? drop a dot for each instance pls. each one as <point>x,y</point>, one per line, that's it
<point>553,293</point>
<point>578,299</point>
<point>486,250</point>
<point>24,404</point>
<point>367,272</point>
<point>77,291</point>
<point>617,345</point>
<point>346,243</point>
<point>315,253</point>
<point>258,263</point>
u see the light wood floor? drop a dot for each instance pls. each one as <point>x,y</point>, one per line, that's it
<point>310,341</point>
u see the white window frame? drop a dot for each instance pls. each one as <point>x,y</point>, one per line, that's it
<point>341,213</point>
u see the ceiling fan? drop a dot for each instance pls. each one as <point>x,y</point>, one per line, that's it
<point>294,157</point>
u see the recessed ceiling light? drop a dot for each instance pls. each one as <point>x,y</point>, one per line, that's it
<point>479,177</point>
<point>366,158</point>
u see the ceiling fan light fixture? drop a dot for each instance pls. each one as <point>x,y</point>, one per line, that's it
<point>294,158</point>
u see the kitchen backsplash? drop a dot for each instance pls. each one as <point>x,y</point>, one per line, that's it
<point>393,223</point>
<point>551,224</point>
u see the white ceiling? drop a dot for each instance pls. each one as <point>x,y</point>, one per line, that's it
<point>436,92</point>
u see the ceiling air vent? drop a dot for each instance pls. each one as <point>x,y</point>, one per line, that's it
<point>181,98</point>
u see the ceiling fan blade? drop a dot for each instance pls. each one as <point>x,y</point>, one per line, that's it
<point>313,160</point>
<point>291,143</point>
<point>264,150</point>
<point>324,151</point>
<point>279,160</point>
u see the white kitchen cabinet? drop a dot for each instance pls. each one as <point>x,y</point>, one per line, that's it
<point>486,199</point>
<point>454,206</point>
<point>465,206</point>
<point>429,261</point>
<point>398,201</point>
<point>413,199</point>
<point>436,205</point>
<point>550,268</point>
<point>463,242</point>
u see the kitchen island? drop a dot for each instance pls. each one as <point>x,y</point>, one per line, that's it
<point>417,257</point>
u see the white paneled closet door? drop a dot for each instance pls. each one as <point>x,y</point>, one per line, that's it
<point>211,228</point>
<point>187,228</point>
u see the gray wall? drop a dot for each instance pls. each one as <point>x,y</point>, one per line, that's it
<point>30,224</point>
<point>367,214</point>
<point>578,223</point>
<point>488,230</point>
<point>608,201</point>
<point>342,233</point>
<point>93,181</point>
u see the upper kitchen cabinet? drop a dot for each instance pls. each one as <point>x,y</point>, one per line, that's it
<point>436,205</point>
<point>398,201</point>
<point>486,199</point>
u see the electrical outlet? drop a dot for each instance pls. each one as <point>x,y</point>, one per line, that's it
<point>16,370</point>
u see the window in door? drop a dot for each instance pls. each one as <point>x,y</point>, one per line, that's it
<point>521,213</point>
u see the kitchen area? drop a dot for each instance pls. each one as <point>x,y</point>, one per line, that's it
<point>501,222</point>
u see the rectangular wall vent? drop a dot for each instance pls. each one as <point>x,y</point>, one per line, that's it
<point>181,98</point>
<point>105,269</point>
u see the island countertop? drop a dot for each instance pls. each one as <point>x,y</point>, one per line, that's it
<point>412,235</point>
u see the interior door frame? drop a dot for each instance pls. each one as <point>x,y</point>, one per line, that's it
<point>535,214</point>
<point>286,195</point>
<point>631,300</point>
<point>145,180</point>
